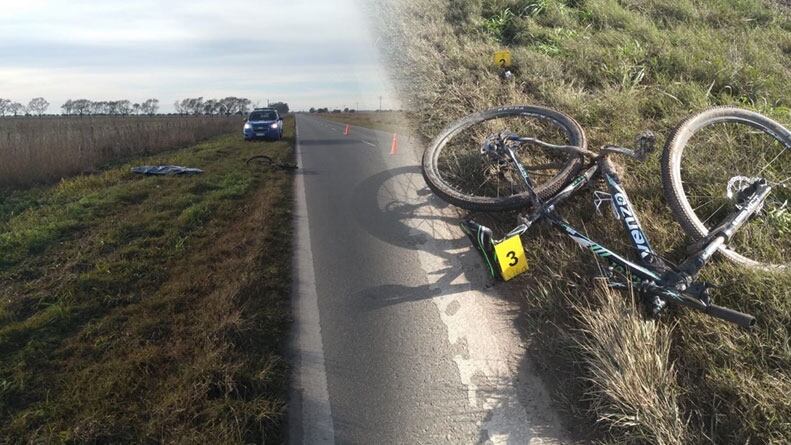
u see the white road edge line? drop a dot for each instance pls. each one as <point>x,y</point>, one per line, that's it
<point>369,143</point>
<point>314,418</point>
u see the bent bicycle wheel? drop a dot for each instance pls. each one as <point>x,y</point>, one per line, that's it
<point>456,170</point>
<point>714,155</point>
<point>263,160</point>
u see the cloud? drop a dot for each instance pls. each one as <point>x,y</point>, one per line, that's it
<point>306,52</point>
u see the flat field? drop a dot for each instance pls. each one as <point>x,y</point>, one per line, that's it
<point>140,309</point>
<point>37,150</point>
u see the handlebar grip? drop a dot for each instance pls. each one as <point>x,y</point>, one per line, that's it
<point>735,317</point>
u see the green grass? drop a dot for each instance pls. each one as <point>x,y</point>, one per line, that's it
<point>139,309</point>
<point>619,67</point>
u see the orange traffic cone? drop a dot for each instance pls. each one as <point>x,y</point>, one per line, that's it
<point>346,131</point>
<point>394,146</point>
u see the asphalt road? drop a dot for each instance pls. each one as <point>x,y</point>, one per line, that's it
<point>396,339</point>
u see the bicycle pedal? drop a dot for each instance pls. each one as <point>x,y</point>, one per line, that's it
<point>482,241</point>
<point>654,305</point>
<point>646,142</point>
<point>701,291</point>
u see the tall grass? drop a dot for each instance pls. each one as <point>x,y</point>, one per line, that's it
<point>632,384</point>
<point>46,149</point>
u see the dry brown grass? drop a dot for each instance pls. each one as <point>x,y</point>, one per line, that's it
<point>46,149</point>
<point>632,383</point>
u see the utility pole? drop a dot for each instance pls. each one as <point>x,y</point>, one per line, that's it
<point>380,103</point>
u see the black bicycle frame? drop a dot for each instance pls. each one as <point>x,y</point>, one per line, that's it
<point>625,211</point>
<point>652,273</point>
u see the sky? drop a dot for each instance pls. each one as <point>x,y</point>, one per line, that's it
<point>304,52</point>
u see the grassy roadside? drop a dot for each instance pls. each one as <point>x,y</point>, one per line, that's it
<point>389,121</point>
<point>619,67</point>
<point>138,309</point>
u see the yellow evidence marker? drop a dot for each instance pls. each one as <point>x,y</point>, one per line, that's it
<point>511,257</point>
<point>502,58</point>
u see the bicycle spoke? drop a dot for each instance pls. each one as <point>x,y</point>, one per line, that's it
<point>702,205</point>
<point>719,152</point>
<point>772,161</point>
<point>471,172</point>
<point>714,213</point>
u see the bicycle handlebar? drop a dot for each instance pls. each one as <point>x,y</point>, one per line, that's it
<point>735,317</point>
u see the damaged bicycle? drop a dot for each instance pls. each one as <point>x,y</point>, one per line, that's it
<point>726,176</point>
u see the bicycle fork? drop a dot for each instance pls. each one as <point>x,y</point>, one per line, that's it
<point>681,283</point>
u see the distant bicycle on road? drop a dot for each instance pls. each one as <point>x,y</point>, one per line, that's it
<point>726,174</point>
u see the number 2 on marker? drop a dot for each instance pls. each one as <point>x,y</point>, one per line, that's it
<point>511,257</point>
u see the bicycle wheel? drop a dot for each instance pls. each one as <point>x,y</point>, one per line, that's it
<point>709,158</point>
<point>264,160</point>
<point>457,172</point>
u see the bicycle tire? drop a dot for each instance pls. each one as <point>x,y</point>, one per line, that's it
<point>264,159</point>
<point>433,178</point>
<point>672,183</point>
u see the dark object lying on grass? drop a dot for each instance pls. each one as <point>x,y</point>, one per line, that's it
<point>166,170</point>
<point>266,161</point>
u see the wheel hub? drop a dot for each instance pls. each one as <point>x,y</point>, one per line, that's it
<point>494,145</point>
<point>740,188</point>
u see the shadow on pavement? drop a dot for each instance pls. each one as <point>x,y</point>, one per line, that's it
<point>397,207</point>
<point>411,222</point>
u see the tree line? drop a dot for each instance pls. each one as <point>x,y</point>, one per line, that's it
<point>36,106</point>
<point>227,106</point>
<point>327,110</point>
<point>85,107</point>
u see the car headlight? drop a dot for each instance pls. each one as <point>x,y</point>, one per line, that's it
<point>274,125</point>
<point>247,126</point>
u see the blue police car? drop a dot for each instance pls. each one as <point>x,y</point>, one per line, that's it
<point>263,123</point>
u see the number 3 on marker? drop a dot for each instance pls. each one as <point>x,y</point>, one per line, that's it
<point>511,257</point>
